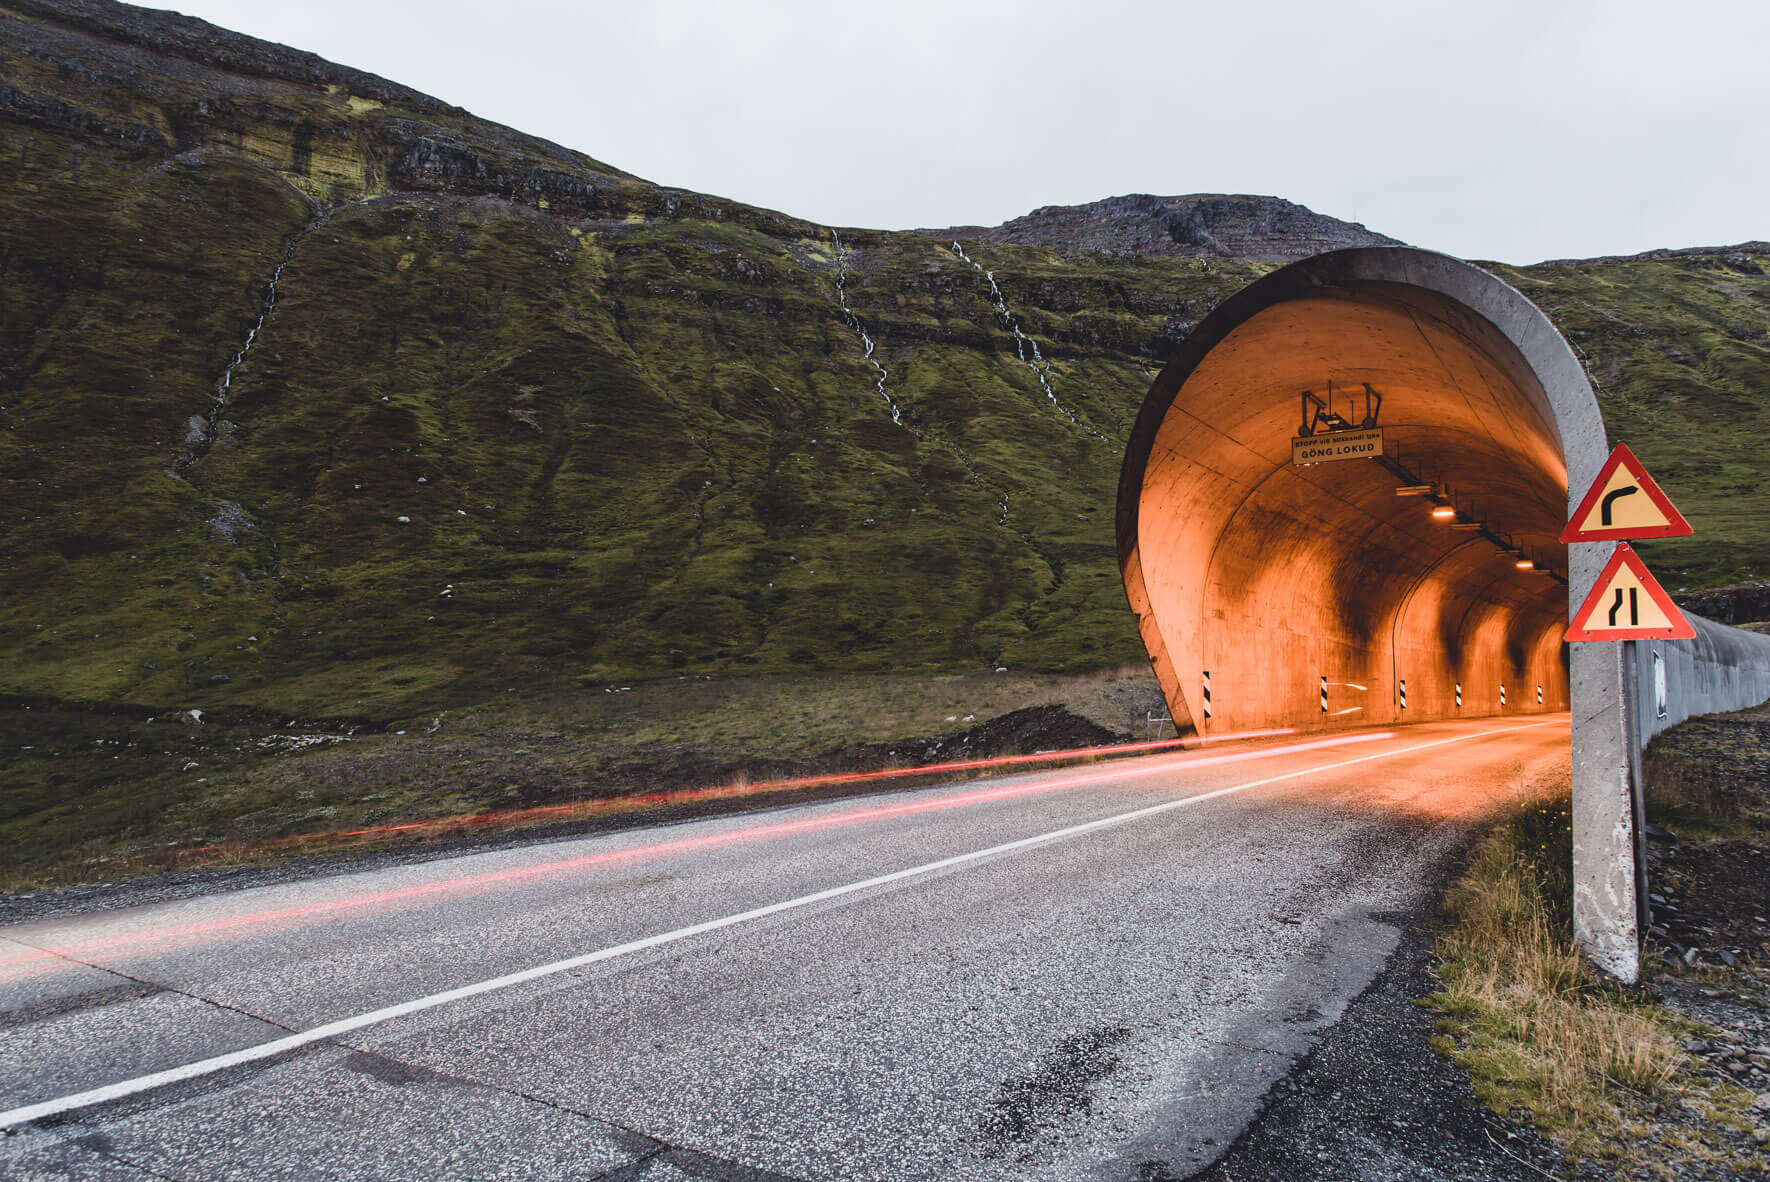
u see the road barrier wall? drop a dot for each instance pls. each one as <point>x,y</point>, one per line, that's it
<point>1722,669</point>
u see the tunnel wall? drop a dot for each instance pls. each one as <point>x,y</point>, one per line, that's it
<point>1722,669</point>
<point>1270,578</point>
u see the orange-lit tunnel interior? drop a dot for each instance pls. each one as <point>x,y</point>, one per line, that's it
<point>1272,577</point>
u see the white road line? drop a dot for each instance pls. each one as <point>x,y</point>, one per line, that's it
<point>143,1083</point>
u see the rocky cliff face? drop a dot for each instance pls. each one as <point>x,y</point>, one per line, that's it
<point>167,86</point>
<point>1201,225</point>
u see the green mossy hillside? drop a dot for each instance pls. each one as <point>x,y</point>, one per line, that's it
<point>1679,352</point>
<point>520,421</point>
<point>475,446</point>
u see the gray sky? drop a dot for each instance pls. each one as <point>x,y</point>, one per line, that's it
<point>1486,128</point>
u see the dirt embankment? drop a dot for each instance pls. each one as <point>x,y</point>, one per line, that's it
<point>1667,1079</point>
<point>98,793</point>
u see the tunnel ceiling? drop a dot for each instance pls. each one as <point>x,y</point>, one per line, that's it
<point>1272,577</point>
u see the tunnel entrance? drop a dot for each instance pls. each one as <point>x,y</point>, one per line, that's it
<point>1323,595</point>
<point>1282,581</point>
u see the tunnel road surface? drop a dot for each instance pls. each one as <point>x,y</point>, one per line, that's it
<point>1069,974</point>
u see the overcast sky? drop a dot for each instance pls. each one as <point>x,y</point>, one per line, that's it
<point>1486,128</point>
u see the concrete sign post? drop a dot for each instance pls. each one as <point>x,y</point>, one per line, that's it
<point>1625,603</point>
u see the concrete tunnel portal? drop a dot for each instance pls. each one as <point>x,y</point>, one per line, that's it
<point>1262,583</point>
<point>1305,596</point>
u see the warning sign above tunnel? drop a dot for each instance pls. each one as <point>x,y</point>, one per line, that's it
<point>1337,445</point>
<point>1624,502</point>
<point>1627,603</point>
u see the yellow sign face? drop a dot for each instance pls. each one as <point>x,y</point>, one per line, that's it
<point>1337,445</point>
<point>1627,603</point>
<point>1629,508</point>
<point>1624,502</point>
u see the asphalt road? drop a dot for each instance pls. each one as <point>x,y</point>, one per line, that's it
<point>1085,973</point>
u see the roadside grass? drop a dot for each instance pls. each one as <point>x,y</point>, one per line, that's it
<point>95,795</point>
<point>1535,1029</point>
<point>1596,1066</point>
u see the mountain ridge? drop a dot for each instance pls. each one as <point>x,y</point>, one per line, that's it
<point>1756,246</point>
<point>1192,225</point>
<point>1261,228</point>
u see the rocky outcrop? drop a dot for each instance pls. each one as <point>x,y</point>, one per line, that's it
<point>171,36</point>
<point>1200,225</point>
<point>1742,603</point>
<point>164,85</point>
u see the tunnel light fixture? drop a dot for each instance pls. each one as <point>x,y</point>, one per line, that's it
<point>1523,563</point>
<point>1444,512</point>
<point>1466,525</point>
<point>1417,490</point>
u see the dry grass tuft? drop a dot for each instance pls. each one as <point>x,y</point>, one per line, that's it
<point>1536,1029</point>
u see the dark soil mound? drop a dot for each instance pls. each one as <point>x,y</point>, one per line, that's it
<point>1019,732</point>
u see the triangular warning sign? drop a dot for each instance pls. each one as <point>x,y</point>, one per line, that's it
<point>1624,502</point>
<point>1627,603</point>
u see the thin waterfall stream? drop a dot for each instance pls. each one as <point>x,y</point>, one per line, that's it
<point>855,324</point>
<point>1023,343</point>
<point>211,421</point>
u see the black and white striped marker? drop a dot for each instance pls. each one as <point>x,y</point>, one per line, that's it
<point>1207,678</point>
<point>1324,694</point>
<point>1502,695</point>
<point>1539,695</point>
<point>1459,695</point>
<point>1402,686</point>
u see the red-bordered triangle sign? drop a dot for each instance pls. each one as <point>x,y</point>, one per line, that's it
<point>1624,502</point>
<point>1627,603</point>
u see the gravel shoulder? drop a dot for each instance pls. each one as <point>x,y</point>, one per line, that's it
<point>1374,1102</point>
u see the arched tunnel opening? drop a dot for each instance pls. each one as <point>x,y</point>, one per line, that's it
<point>1282,588</point>
<point>1272,593</point>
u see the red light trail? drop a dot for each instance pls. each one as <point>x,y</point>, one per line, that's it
<point>620,804</point>
<point>35,959</point>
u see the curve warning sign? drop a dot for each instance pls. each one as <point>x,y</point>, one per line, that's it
<point>1624,502</point>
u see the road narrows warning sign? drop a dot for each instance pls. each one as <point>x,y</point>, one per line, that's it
<point>1624,502</point>
<point>1627,603</point>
